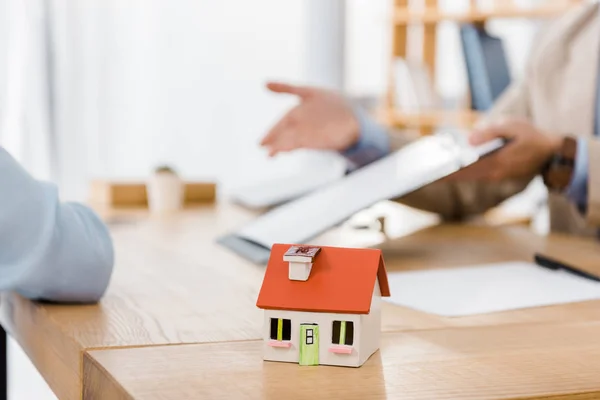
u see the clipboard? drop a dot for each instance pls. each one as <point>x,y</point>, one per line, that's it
<point>414,166</point>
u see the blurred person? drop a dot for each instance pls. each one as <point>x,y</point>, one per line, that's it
<point>551,117</point>
<point>49,250</point>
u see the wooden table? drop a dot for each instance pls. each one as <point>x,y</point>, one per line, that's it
<point>489,362</point>
<point>179,322</point>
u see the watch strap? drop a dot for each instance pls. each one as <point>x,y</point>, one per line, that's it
<point>558,171</point>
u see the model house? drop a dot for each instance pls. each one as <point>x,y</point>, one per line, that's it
<point>322,304</point>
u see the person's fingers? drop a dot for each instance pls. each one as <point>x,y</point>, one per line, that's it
<point>481,124</point>
<point>285,141</point>
<point>271,136</point>
<point>503,128</point>
<point>480,136</point>
<point>276,131</point>
<point>285,88</point>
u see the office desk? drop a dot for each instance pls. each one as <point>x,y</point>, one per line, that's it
<point>549,361</point>
<point>174,286</point>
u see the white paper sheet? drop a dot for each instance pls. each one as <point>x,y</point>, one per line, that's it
<point>409,169</point>
<point>482,289</point>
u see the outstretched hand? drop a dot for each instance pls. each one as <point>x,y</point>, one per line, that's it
<point>322,119</point>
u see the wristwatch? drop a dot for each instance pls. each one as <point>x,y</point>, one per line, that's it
<point>558,171</point>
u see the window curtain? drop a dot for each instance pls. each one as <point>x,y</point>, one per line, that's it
<point>326,43</point>
<point>27,124</point>
<point>48,105</point>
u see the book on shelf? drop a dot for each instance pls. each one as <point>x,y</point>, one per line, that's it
<point>487,66</point>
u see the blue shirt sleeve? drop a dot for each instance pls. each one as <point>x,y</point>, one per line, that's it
<point>577,191</point>
<point>49,250</point>
<point>373,143</point>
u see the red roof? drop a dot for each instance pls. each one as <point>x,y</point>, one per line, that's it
<point>342,280</point>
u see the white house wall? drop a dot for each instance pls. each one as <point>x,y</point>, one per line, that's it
<point>371,327</point>
<point>377,290</point>
<point>325,322</point>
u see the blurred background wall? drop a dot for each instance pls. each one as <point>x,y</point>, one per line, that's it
<point>135,83</point>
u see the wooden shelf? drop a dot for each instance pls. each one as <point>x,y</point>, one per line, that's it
<point>428,16</point>
<point>404,16</point>
<point>428,119</point>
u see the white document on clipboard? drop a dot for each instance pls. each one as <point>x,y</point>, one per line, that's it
<point>412,167</point>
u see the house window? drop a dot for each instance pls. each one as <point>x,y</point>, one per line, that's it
<point>343,333</point>
<point>281,329</point>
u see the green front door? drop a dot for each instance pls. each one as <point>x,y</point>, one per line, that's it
<point>309,344</point>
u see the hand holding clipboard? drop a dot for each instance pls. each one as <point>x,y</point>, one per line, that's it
<point>414,166</point>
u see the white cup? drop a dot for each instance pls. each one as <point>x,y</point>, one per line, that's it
<point>165,193</point>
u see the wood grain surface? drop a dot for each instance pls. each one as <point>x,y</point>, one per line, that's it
<point>541,361</point>
<point>173,285</point>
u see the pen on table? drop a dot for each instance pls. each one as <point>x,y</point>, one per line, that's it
<point>549,263</point>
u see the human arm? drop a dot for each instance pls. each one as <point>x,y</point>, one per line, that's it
<point>453,199</point>
<point>325,120</point>
<point>49,250</point>
<point>593,196</point>
<point>322,115</point>
<point>456,198</point>
<point>373,143</point>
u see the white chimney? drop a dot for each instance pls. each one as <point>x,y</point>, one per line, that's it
<point>300,259</point>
